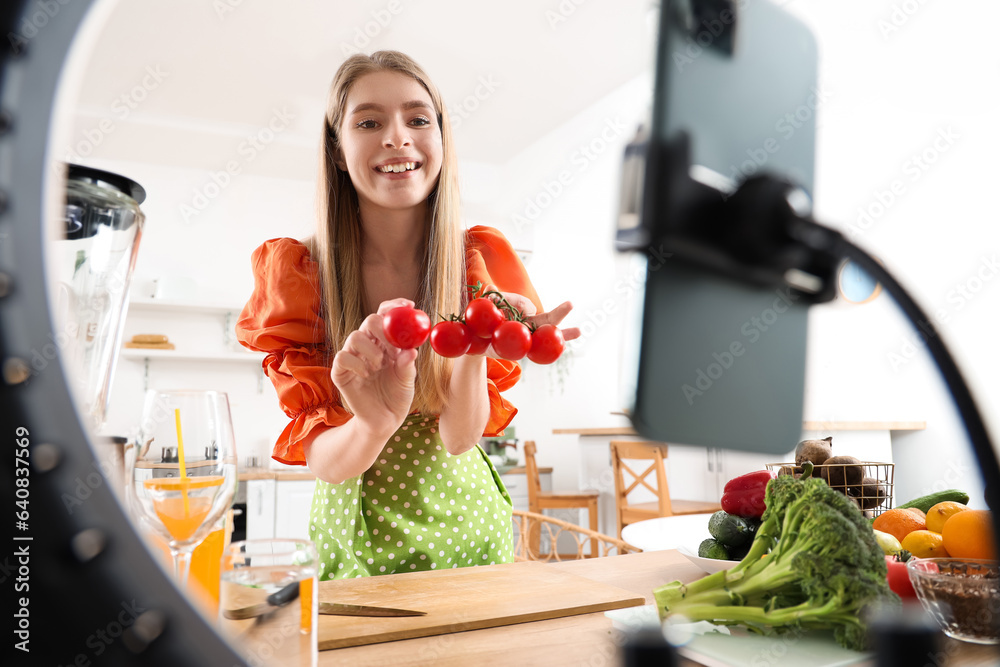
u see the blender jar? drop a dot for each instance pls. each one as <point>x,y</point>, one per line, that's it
<point>94,260</point>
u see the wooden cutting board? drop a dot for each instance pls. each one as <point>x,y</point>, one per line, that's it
<point>468,598</point>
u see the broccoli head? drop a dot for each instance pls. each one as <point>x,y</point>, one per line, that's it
<point>814,563</point>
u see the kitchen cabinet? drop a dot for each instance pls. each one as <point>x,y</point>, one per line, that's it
<point>279,508</point>
<point>516,481</point>
<point>292,505</point>
<point>260,508</point>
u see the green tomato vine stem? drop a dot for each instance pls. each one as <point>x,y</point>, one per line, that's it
<point>509,311</point>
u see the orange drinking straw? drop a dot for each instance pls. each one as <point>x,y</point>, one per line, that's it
<point>180,460</point>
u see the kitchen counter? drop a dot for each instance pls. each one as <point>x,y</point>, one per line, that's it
<point>279,500</point>
<point>248,474</point>
<point>585,639</point>
<point>806,426</point>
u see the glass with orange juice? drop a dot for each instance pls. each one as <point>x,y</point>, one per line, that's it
<point>181,473</point>
<point>203,579</point>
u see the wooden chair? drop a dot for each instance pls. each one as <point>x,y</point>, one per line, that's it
<point>655,452</point>
<point>539,500</point>
<point>551,529</point>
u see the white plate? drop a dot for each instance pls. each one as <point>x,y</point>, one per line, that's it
<point>668,532</point>
<point>744,649</point>
<point>709,565</point>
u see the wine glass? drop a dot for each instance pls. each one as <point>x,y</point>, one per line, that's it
<point>182,470</point>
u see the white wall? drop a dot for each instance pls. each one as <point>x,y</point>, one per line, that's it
<point>565,198</point>
<point>892,93</point>
<point>899,75</point>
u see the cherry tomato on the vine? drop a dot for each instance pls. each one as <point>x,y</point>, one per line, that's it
<point>512,340</point>
<point>406,327</point>
<point>899,578</point>
<point>450,339</point>
<point>479,345</point>
<point>547,344</point>
<point>483,317</point>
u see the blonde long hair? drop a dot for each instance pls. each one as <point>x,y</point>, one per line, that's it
<point>337,245</point>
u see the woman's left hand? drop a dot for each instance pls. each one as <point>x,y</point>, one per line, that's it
<point>553,317</point>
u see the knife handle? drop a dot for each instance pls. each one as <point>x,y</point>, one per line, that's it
<point>284,596</point>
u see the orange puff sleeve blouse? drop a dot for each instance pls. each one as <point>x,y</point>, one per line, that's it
<point>282,319</point>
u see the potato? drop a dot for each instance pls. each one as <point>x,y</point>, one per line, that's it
<point>841,472</point>
<point>816,451</point>
<point>855,502</point>
<point>870,493</point>
<point>789,470</point>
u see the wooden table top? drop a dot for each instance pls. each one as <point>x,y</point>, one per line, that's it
<point>586,639</point>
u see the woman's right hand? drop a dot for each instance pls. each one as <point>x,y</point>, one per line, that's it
<point>375,378</point>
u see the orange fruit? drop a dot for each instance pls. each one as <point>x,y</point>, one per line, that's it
<point>919,512</point>
<point>925,544</point>
<point>940,513</point>
<point>899,523</point>
<point>969,534</point>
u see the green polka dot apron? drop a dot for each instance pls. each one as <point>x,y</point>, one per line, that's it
<point>417,508</point>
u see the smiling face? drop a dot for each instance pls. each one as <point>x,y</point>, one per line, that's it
<point>390,142</point>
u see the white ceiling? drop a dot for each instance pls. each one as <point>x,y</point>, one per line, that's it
<point>227,65</point>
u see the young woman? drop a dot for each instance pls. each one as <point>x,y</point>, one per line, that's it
<point>391,434</point>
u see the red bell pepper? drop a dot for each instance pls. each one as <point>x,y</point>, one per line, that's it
<point>744,495</point>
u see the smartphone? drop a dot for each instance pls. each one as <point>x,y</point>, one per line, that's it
<point>721,361</point>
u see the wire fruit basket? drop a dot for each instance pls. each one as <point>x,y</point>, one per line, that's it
<point>868,483</point>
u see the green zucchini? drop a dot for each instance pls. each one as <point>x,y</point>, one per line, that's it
<point>925,503</point>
